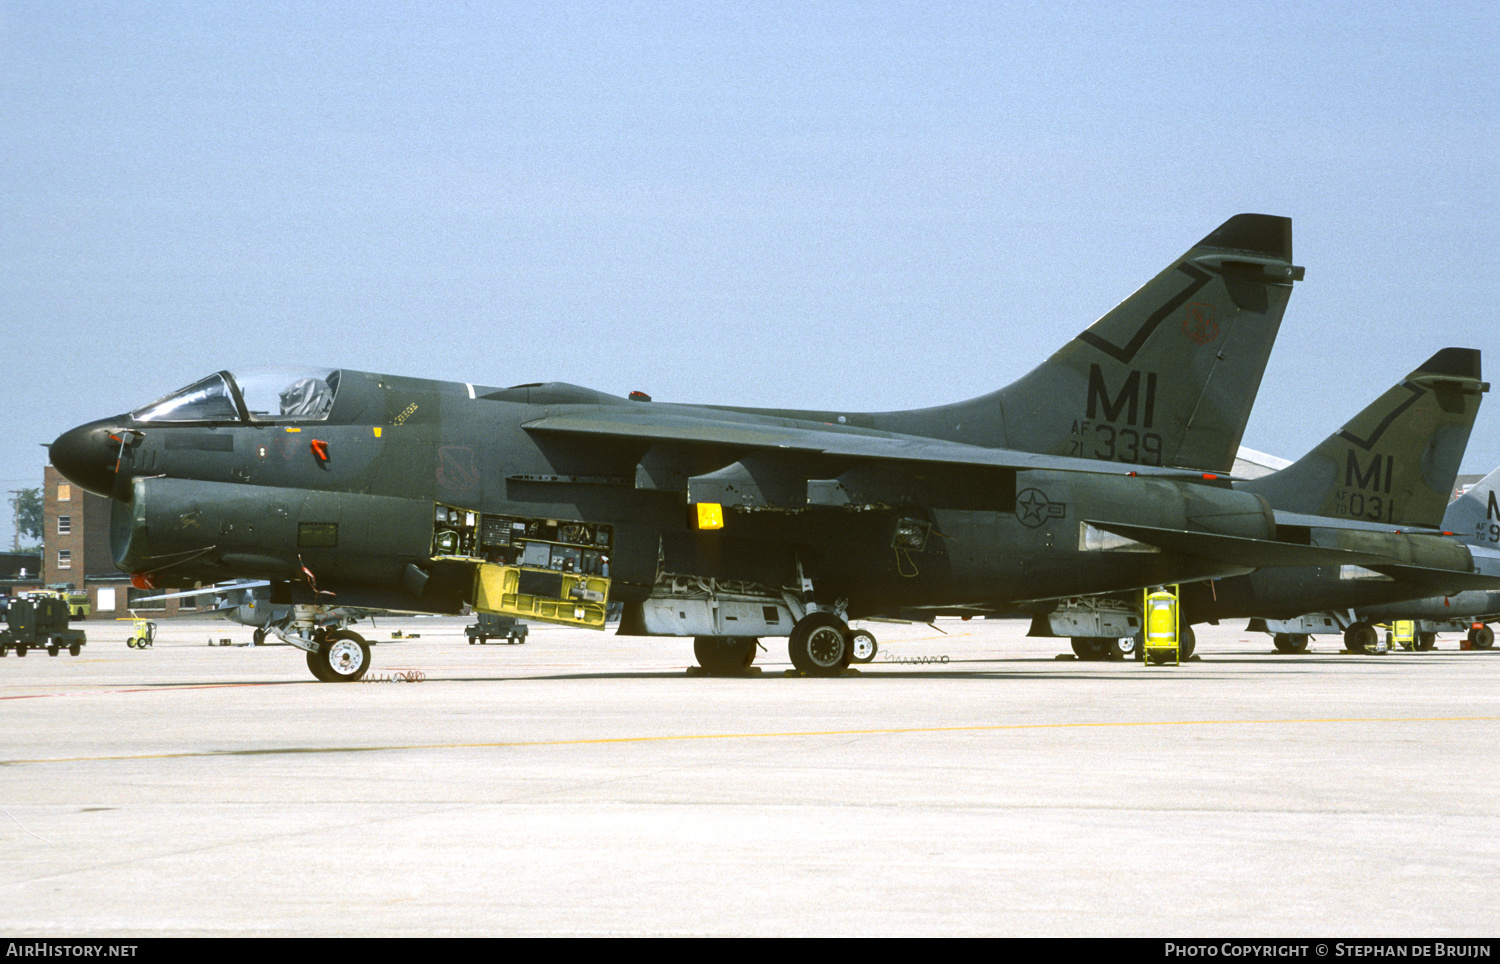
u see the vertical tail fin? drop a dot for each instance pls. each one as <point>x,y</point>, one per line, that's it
<point>1165,378</point>
<point>1396,460</point>
<point>1475,515</point>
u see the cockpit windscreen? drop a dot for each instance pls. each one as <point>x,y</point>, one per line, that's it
<point>257,395</point>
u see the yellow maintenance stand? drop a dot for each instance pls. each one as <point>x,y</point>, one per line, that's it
<point>1162,619</point>
<point>1404,634</point>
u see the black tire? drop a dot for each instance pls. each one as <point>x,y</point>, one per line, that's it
<point>819,644</point>
<point>724,655</point>
<point>258,636</point>
<point>1122,648</point>
<point>20,649</point>
<point>1187,642</point>
<point>1361,638</point>
<point>52,649</point>
<point>862,646</point>
<point>1426,642</point>
<point>1089,647</point>
<point>75,649</point>
<point>1290,642</point>
<point>316,668</point>
<point>1482,638</point>
<point>342,656</point>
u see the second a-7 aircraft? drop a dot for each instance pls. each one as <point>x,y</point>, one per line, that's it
<point>548,501</point>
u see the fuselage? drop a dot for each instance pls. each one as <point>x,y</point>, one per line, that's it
<point>366,493</point>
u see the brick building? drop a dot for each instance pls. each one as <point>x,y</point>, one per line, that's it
<point>75,540</point>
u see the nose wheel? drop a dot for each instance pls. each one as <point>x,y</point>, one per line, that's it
<point>341,657</point>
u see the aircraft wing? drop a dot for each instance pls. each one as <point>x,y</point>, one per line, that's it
<point>790,436</point>
<point>218,588</point>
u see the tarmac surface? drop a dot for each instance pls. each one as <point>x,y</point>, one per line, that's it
<point>582,783</point>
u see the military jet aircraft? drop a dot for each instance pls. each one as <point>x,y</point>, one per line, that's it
<point>546,501</point>
<point>1379,484</point>
<point>1474,519</point>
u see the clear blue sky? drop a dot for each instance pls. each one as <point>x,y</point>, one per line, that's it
<point>865,205</point>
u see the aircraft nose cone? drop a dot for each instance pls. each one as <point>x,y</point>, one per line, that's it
<point>87,455</point>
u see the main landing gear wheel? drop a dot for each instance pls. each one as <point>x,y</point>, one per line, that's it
<point>1361,638</point>
<point>1426,642</point>
<point>1187,641</point>
<point>819,645</point>
<point>1090,647</point>
<point>1290,642</point>
<point>862,646</point>
<point>1481,638</point>
<point>341,657</point>
<point>724,655</point>
<point>258,637</point>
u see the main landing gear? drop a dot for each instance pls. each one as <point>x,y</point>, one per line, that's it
<point>1290,642</point>
<point>1127,647</point>
<point>819,644</point>
<point>725,655</point>
<point>1361,638</point>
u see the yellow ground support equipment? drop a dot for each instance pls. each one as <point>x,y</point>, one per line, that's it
<point>1162,626</point>
<point>143,634</point>
<point>1404,634</point>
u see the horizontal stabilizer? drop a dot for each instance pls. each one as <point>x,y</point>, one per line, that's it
<point>1285,518</point>
<point>1444,582</point>
<point>1238,550</point>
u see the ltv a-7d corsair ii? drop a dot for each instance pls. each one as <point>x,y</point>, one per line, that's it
<point>549,501</point>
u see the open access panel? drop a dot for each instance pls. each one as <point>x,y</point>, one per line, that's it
<point>544,569</point>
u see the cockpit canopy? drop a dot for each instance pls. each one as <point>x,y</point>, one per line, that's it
<point>286,394</point>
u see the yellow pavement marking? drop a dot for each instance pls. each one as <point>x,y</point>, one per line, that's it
<point>884,731</point>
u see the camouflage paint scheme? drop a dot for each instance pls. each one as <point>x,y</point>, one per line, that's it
<point>978,506</point>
